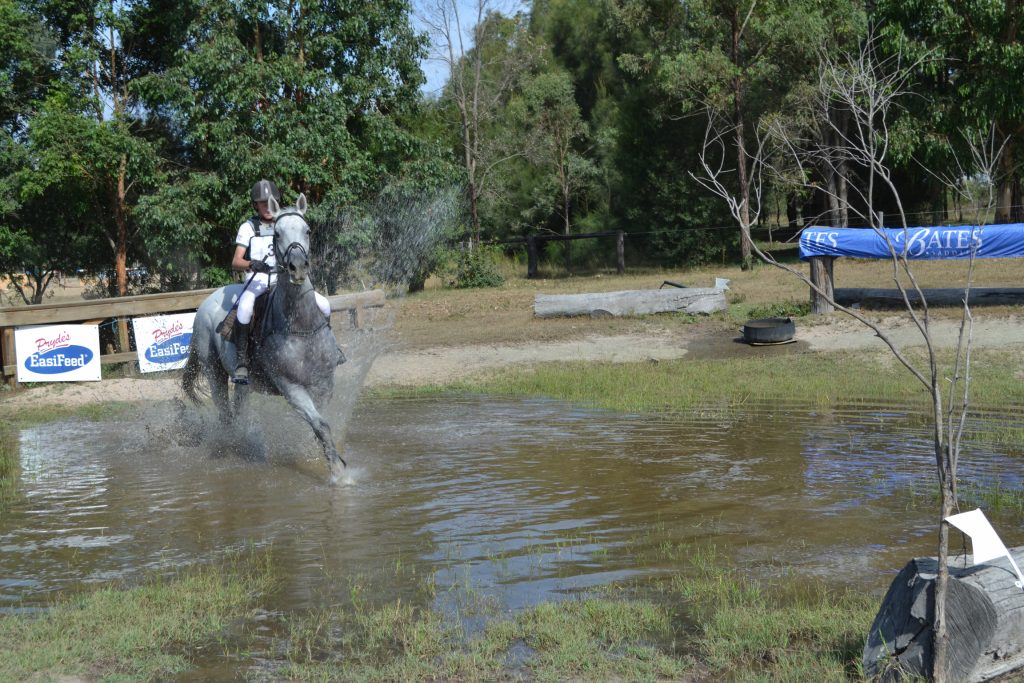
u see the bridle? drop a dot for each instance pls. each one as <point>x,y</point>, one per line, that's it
<point>294,245</point>
<point>283,258</point>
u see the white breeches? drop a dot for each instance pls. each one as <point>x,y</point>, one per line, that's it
<point>259,284</point>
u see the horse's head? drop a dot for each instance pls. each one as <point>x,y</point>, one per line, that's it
<point>291,239</point>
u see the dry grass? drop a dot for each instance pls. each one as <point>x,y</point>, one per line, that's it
<point>504,315</point>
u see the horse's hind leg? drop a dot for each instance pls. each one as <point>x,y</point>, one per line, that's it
<point>250,435</point>
<point>219,394</point>
<point>300,400</point>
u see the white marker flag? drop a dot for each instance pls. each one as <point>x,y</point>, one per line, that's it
<point>984,540</point>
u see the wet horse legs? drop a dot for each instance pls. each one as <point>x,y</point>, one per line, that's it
<point>302,402</point>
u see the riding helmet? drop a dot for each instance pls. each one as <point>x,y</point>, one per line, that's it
<point>263,190</point>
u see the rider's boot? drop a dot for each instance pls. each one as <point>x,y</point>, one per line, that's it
<point>241,375</point>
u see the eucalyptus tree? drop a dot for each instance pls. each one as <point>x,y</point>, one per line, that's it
<point>26,68</point>
<point>730,61</point>
<point>486,54</point>
<point>974,75</point>
<point>554,133</point>
<point>311,95</point>
<point>91,130</point>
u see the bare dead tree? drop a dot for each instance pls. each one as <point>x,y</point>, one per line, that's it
<point>481,75</point>
<point>867,88</point>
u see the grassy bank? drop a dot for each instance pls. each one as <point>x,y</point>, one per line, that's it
<point>707,623</point>
<point>8,465</point>
<point>871,378</point>
<point>147,632</point>
<point>18,415</point>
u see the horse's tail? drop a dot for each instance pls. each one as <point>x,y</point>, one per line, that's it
<point>188,380</point>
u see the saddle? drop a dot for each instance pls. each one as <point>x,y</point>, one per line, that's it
<point>228,326</point>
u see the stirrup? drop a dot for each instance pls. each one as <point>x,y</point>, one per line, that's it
<point>241,375</point>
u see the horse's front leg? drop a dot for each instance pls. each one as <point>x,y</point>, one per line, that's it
<point>303,403</point>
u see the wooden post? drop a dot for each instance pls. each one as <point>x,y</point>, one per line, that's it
<point>531,256</point>
<point>821,275</point>
<point>620,252</point>
<point>8,356</point>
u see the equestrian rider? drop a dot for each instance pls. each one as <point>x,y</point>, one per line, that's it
<point>254,251</point>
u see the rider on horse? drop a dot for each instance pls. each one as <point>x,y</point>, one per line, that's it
<point>254,251</point>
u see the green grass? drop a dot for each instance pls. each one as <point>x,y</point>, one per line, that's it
<point>8,465</point>
<point>706,623</point>
<point>791,630</point>
<point>140,633</point>
<point>28,416</point>
<point>841,378</point>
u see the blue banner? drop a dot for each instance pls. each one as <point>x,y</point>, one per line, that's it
<point>955,242</point>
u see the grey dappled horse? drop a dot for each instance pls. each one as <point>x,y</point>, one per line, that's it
<point>293,351</point>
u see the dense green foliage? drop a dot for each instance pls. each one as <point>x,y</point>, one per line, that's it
<point>133,130</point>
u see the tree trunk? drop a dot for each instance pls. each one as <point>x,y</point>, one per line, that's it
<point>563,175</point>
<point>746,250</point>
<point>1007,178</point>
<point>119,207</point>
<point>985,627</point>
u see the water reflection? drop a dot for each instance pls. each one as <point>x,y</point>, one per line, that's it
<point>522,501</point>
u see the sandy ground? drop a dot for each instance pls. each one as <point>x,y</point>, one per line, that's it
<point>436,365</point>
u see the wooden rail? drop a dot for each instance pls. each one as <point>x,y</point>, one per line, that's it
<point>126,307</point>
<point>822,274</point>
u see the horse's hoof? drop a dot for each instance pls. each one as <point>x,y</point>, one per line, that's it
<point>338,473</point>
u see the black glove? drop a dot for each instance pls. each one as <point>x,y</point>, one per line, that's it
<point>259,267</point>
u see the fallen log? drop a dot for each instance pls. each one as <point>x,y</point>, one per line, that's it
<point>985,613</point>
<point>631,302</point>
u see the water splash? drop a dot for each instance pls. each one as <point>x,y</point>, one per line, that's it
<point>391,241</point>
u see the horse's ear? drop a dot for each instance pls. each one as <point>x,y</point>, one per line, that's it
<point>274,207</point>
<point>300,204</point>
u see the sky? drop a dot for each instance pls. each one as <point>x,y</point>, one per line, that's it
<point>435,69</point>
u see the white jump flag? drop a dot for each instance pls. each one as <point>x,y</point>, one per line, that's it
<point>984,540</point>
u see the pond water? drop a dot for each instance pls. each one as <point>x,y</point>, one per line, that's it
<point>522,500</point>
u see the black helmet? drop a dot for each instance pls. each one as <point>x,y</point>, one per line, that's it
<point>263,190</point>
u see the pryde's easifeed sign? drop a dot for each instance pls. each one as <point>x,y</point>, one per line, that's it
<point>953,242</point>
<point>58,353</point>
<point>162,341</point>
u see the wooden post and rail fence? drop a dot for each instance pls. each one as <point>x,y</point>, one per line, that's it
<point>823,275</point>
<point>123,308</point>
<point>534,242</point>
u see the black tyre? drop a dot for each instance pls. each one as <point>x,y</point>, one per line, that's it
<point>768,330</point>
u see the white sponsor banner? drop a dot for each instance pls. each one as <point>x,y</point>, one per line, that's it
<point>162,341</point>
<point>58,353</point>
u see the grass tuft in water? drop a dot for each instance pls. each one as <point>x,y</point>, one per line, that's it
<point>9,465</point>
<point>792,631</point>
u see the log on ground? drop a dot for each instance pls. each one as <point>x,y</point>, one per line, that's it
<point>985,614</point>
<point>631,302</point>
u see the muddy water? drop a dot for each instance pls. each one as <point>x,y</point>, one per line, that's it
<point>523,501</point>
